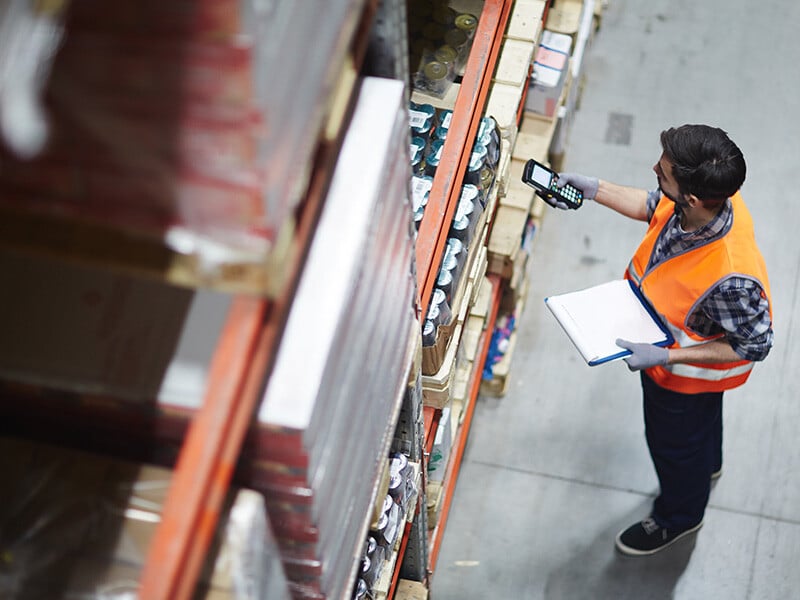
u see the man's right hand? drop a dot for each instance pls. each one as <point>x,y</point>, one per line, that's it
<point>587,185</point>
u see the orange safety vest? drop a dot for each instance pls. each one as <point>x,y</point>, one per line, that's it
<point>677,285</point>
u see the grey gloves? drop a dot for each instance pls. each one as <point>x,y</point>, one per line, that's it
<point>644,355</point>
<point>587,185</point>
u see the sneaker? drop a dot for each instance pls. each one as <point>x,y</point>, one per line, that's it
<point>648,537</point>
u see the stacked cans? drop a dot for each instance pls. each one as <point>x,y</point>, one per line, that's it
<point>439,310</point>
<point>384,536</point>
<point>429,127</point>
<point>440,39</point>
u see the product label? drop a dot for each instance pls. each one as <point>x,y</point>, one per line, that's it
<point>417,119</point>
<point>420,188</point>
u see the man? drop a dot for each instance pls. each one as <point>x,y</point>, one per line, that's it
<point>700,268</point>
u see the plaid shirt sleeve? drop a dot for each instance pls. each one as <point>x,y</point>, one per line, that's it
<point>653,196</point>
<point>738,308</point>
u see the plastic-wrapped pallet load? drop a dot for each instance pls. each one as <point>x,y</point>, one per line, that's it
<point>78,525</point>
<point>129,357</point>
<point>326,421</point>
<point>550,74</point>
<point>190,122</point>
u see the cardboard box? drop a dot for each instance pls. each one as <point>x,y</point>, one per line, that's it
<point>565,17</point>
<point>91,330</point>
<point>559,42</point>
<point>433,356</point>
<point>525,20</point>
<point>433,503</point>
<point>550,72</point>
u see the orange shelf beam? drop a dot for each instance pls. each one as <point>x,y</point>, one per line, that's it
<point>467,113</point>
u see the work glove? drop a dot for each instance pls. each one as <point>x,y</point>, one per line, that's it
<point>587,185</point>
<point>644,355</point>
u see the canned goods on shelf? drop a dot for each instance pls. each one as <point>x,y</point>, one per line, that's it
<point>362,590</point>
<point>457,250</point>
<point>397,489</point>
<point>447,55</point>
<point>420,191</point>
<point>419,214</point>
<point>439,299</point>
<point>477,160</point>
<point>398,463</point>
<point>457,38</point>
<point>444,282</point>
<point>436,77</point>
<point>487,179</point>
<point>444,117</point>
<point>421,119</point>
<point>433,315</point>
<point>428,334</point>
<point>461,229</point>
<point>433,157</point>
<point>467,23</point>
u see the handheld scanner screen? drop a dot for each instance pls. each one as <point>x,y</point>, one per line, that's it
<point>542,176</point>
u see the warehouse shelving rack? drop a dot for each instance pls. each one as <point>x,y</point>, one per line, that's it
<point>246,349</point>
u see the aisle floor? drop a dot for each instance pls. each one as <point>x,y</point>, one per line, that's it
<point>553,470</point>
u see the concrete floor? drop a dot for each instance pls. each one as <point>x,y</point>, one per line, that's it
<point>557,467</point>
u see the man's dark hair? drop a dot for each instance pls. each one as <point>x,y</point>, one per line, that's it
<point>705,162</point>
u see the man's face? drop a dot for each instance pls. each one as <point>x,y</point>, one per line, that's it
<point>667,183</point>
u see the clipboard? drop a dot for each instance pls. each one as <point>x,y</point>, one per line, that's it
<point>595,317</point>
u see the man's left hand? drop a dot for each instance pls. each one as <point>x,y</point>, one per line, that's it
<point>644,355</point>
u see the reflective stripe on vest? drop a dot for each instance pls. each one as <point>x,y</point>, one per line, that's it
<point>632,274</point>
<point>687,370</point>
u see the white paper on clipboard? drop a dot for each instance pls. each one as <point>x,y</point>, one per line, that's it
<point>595,317</point>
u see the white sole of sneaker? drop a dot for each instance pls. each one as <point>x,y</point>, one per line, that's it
<point>627,550</point>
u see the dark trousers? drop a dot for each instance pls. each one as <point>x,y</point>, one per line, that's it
<point>684,435</point>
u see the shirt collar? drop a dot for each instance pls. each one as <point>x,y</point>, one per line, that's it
<point>714,228</point>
